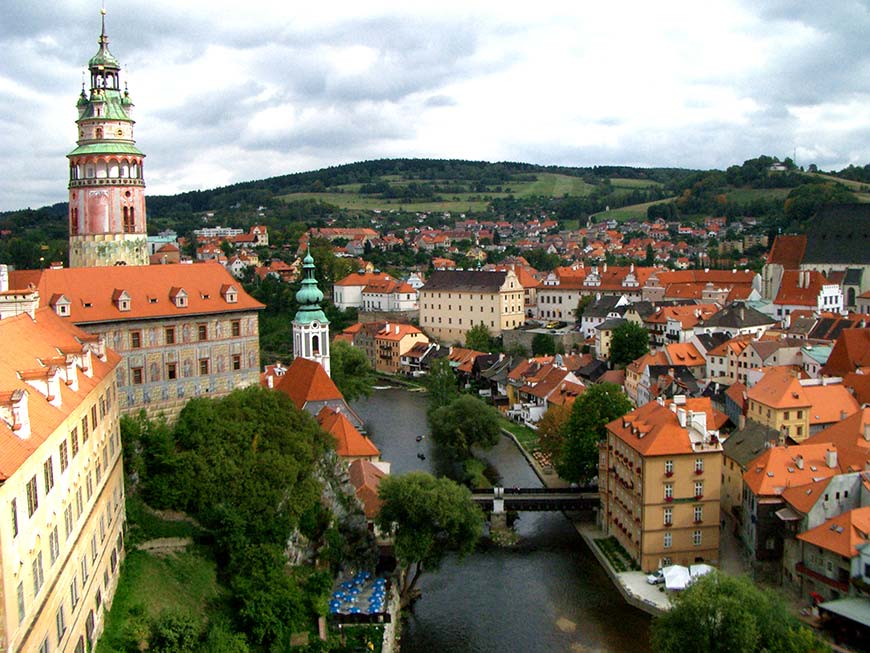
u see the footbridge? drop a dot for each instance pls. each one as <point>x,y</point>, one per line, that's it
<point>522,499</point>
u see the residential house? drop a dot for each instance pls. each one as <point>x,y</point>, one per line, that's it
<point>348,292</point>
<point>392,342</point>
<point>851,353</point>
<point>736,319</point>
<point>602,308</point>
<point>309,386</point>
<point>814,358</point>
<point>807,290</point>
<point>636,369</point>
<point>350,444</point>
<point>739,449</point>
<point>604,336</point>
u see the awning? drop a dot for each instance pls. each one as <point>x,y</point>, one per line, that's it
<point>854,609</point>
<point>787,514</point>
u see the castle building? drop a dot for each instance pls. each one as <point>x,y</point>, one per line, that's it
<point>106,182</point>
<point>61,484</point>
<point>310,325</point>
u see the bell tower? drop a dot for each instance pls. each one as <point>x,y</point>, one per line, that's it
<point>310,326</point>
<point>106,183</point>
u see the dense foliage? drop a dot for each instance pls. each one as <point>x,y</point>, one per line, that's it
<point>628,342</point>
<point>432,517</point>
<point>350,370</point>
<point>732,615</point>
<point>575,453</point>
<point>479,338</point>
<point>464,423</point>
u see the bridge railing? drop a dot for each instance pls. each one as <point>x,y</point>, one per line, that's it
<point>584,489</point>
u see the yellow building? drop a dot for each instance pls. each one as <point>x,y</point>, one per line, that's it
<point>182,330</point>
<point>62,484</point>
<point>453,301</point>
<point>659,482</point>
<point>392,341</point>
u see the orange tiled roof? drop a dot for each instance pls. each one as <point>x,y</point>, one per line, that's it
<point>396,331</point>
<point>688,315</point>
<point>90,290</point>
<point>851,352</point>
<point>859,384</point>
<point>365,279</point>
<point>777,468</point>
<point>848,436</point>
<point>841,534</point>
<point>788,251</point>
<point>661,433</point>
<point>366,478</point>
<point>804,497</point>
<point>305,381</point>
<point>829,402</point>
<point>791,293</point>
<point>736,346</point>
<point>349,442</point>
<point>684,353</point>
<point>27,345</point>
<point>651,358</point>
<point>779,388</point>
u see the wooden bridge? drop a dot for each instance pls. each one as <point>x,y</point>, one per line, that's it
<point>528,499</point>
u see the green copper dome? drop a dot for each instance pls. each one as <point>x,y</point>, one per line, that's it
<point>104,58</point>
<point>309,295</point>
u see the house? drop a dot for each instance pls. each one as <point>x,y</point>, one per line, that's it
<point>392,342</point>
<point>61,483</point>
<point>851,353</point>
<point>535,394</point>
<point>723,361</point>
<point>453,301</point>
<point>736,319</point>
<point>182,330</point>
<point>686,355</point>
<point>659,483</point>
<point>604,336</point>
<point>309,386</point>
<point>350,444</point>
<point>392,296</point>
<point>739,449</point>
<point>348,292</point>
<point>814,358</point>
<point>807,290</point>
<point>636,369</point>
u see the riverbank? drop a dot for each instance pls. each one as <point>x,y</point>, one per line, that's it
<point>631,585</point>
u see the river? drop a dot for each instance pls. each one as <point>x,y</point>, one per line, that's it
<point>547,594</point>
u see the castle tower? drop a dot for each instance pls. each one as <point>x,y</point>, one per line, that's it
<point>106,184</point>
<point>310,326</point>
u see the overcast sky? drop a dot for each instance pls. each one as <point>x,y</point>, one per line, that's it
<point>229,91</point>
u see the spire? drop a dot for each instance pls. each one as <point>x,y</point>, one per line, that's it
<point>309,295</point>
<point>103,59</point>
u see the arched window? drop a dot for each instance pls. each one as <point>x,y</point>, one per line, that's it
<point>99,132</point>
<point>102,170</point>
<point>129,220</point>
<point>851,297</point>
<point>125,169</point>
<point>315,344</point>
<point>74,222</point>
<point>134,171</point>
<point>113,168</point>
<point>89,171</point>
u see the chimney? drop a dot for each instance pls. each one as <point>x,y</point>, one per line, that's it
<point>831,458</point>
<point>4,278</point>
<point>681,415</point>
<point>843,415</point>
<point>867,431</point>
<point>742,312</point>
<point>799,461</point>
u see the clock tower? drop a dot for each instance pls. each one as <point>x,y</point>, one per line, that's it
<point>106,183</point>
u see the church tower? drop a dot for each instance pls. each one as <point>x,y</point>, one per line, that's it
<point>310,326</point>
<point>106,184</point>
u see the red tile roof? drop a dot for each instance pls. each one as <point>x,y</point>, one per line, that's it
<point>90,290</point>
<point>349,442</point>
<point>366,478</point>
<point>851,352</point>
<point>777,468</point>
<point>306,381</point>
<point>788,251</point>
<point>848,436</point>
<point>842,534</point>
<point>800,288</point>
<point>658,431</point>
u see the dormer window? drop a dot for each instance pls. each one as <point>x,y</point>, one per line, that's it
<point>178,296</point>
<point>61,305</point>
<point>122,300</point>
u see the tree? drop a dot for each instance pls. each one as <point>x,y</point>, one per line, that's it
<point>551,427</point>
<point>478,338</point>
<point>727,614</point>
<point>431,517</point>
<point>543,344</point>
<point>629,342</point>
<point>351,371</point>
<point>585,300</point>
<point>441,383</point>
<point>577,459</point>
<point>464,423</point>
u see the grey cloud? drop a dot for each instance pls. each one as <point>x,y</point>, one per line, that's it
<point>436,101</point>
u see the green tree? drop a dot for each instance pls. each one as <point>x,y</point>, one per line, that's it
<point>432,517</point>
<point>577,458</point>
<point>629,342</point>
<point>585,300</point>
<point>351,371</point>
<point>174,632</point>
<point>732,615</point>
<point>464,423</point>
<point>543,344</point>
<point>441,383</point>
<point>551,428</point>
<point>478,338</point>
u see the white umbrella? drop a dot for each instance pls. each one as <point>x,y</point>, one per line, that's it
<point>699,570</point>
<point>677,577</point>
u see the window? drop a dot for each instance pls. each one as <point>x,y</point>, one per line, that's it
<point>94,416</point>
<point>22,611</point>
<point>696,538</point>
<point>64,456</point>
<point>84,570</point>
<point>74,592</point>
<point>53,545</point>
<point>98,472</point>
<point>136,376</point>
<point>74,441</point>
<point>669,516</point>
<point>669,467</point>
<point>800,414</point>
<point>105,458</point>
<point>699,465</point>
<point>785,415</point>
<point>94,546</point>
<point>43,648</point>
<point>32,497</point>
<point>169,335</point>
<point>90,485</point>
<point>68,521</point>
<point>171,371</point>
<point>129,219</point>
<point>60,620</point>
<point>203,367</point>
<point>202,332</point>
<point>669,491</point>
<point>14,507</point>
<point>38,575</point>
<point>79,503</point>
<point>237,361</point>
<point>135,339</point>
<point>48,473</point>
<point>699,513</point>
<point>84,429</point>
<point>668,540</point>
<point>699,488</point>
<point>236,328</point>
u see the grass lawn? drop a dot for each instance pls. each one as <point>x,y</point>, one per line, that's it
<point>749,194</point>
<point>618,182</point>
<point>527,437</point>
<point>184,582</point>
<point>615,554</point>
<point>627,213</point>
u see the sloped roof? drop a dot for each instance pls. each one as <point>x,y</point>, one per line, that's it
<point>349,442</point>
<point>842,534</point>
<point>848,436</point>
<point>788,251</point>
<point>363,279</point>
<point>305,381</point>
<point>792,293</point>
<point>746,444</point>
<point>661,433</point>
<point>31,345</point>
<point>779,388</point>
<point>150,287</point>
<point>804,497</point>
<point>829,402</point>
<point>366,479</point>
<point>839,234</point>
<point>738,315</point>
<point>859,384</point>
<point>777,468</point>
<point>684,353</point>
<point>466,281</point>
<point>851,352</point>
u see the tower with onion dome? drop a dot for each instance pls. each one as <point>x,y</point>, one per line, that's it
<point>106,182</point>
<point>310,326</point>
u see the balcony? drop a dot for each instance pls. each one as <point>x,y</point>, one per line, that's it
<point>840,586</point>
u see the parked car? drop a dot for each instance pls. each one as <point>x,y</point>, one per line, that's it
<point>656,578</point>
